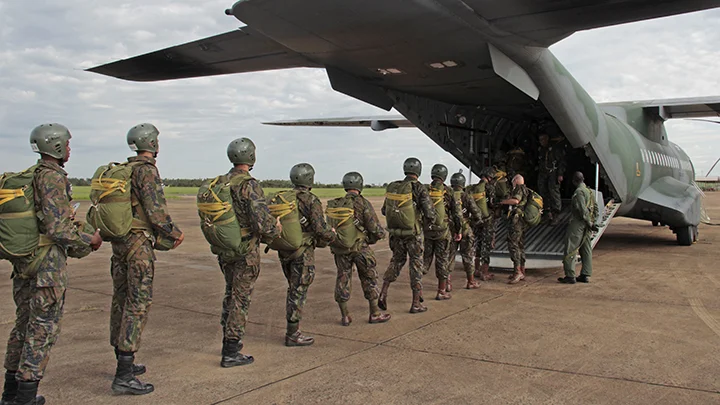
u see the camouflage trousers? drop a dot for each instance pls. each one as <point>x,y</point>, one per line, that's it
<point>239,284</point>
<point>516,240</point>
<point>483,243</point>
<point>132,267</point>
<point>404,248</point>
<point>440,250</point>
<point>300,273</point>
<point>366,264</point>
<point>467,252</point>
<point>37,326</point>
<point>549,189</point>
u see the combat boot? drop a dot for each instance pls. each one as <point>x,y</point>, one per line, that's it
<point>382,300</point>
<point>516,276</point>
<point>375,315</point>
<point>566,280</point>
<point>416,306</point>
<point>485,274</point>
<point>448,286</point>
<point>471,283</point>
<point>125,382</point>
<point>478,271</point>
<point>138,369</point>
<point>345,319</point>
<point>442,293</point>
<point>10,388</point>
<point>231,355</point>
<point>27,394</point>
<point>293,337</point>
<point>522,272</point>
<point>583,278</point>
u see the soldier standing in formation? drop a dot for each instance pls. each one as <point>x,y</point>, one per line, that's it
<point>133,259</point>
<point>551,168</point>
<point>40,281</point>
<point>516,233</point>
<point>437,233</point>
<point>584,211</point>
<point>408,199</point>
<point>471,219</point>
<point>299,266</point>
<point>241,272</point>
<point>484,196</point>
<point>361,255</point>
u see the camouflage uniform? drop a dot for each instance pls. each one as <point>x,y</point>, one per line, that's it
<point>516,231</point>
<point>412,246</point>
<point>584,211</point>
<point>471,216</point>
<point>40,297</point>
<point>364,258</point>
<point>299,266</point>
<point>242,272</point>
<point>485,231</point>
<point>551,165</point>
<point>133,258</point>
<point>438,242</point>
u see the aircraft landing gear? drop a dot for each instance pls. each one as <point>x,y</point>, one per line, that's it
<point>686,235</point>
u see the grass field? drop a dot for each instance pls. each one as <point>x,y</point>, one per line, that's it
<point>81,193</point>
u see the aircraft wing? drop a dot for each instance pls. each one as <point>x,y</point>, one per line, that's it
<point>377,123</point>
<point>236,51</point>
<point>695,107</point>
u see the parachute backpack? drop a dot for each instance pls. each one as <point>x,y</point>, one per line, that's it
<point>437,196</point>
<point>340,214</point>
<point>465,223</point>
<point>284,206</point>
<point>477,192</point>
<point>19,233</point>
<point>400,209</point>
<point>532,213</point>
<point>111,203</point>
<point>218,221</point>
<point>502,185</point>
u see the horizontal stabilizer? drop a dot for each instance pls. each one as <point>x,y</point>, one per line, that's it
<point>694,107</point>
<point>377,123</point>
<point>236,51</point>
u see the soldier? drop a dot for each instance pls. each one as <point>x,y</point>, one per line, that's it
<point>407,204</point>
<point>471,219</point>
<point>40,282</point>
<point>133,260</point>
<point>241,272</point>
<point>437,233</point>
<point>485,229</point>
<point>551,168</point>
<point>360,255</point>
<point>299,266</point>
<point>516,232</point>
<point>584,211</point>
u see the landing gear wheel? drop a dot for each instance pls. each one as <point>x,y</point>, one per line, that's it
<point>685,235</point>
<point>696,232</point>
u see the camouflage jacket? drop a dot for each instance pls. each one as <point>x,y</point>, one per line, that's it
<point>252,212</point>
<point>520,193</point>
<point>551,160</point>
<point>148,192</point>
<point>422,201</point>
<point>453,214</point>
<point>367,218</point>
<point>471,214</point>
<point>53,194</point>
<point>313,217</point>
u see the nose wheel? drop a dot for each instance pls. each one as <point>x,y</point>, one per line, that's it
<point>687,235</point>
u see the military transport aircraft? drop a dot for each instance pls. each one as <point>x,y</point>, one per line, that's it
<point>474,76</point>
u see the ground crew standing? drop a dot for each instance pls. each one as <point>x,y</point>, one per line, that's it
<point>357,227</point>
<point>471,219</point>
<point>437,233</point>
<point>551,168</point>
<point>40,278</point>
<point>299,265</point>
<point>584,211</point>
<point>133,259</point>
<point>483,194</point>
<point>248,220</point>
<point>516,231</point>
<point>407,204</point>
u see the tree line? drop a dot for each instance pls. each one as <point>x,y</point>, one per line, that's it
<point>197,182</point>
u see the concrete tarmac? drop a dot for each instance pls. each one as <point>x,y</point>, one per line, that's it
<point>646,330</point>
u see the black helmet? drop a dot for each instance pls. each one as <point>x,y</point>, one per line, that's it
<point>302,174</point>
<point>439,171</point>
<point>241,152</point>
<point>457,180</point>
<point>412,166</point>
<point>488,172</point>
<point>352,181</point>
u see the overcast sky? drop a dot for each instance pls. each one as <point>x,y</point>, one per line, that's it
<point>44,45</point>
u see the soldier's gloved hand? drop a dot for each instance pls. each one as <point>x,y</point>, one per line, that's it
<point>96,240</point>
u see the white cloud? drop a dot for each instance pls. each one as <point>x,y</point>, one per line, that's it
<point>47,44</point>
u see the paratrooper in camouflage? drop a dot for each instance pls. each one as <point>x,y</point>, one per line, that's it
<point>517,227</point>
<point>551,169</point>
<point>485,231</point>
<point>471,219</point>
